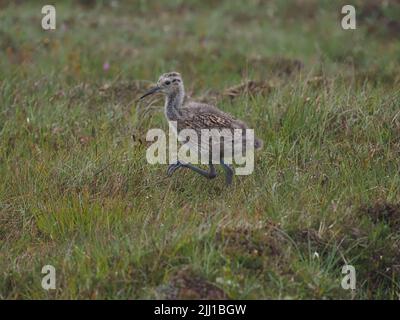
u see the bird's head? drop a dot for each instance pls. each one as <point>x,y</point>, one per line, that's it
<point>168,83</point>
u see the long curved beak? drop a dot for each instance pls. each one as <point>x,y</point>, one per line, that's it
<point>151,91</point>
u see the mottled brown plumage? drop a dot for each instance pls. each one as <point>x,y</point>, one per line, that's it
<point>184,114</point>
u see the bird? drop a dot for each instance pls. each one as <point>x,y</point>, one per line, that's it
<point>189,114</point>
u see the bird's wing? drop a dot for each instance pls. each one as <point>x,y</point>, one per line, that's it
<point>209,121</point>
<point>204,116</point>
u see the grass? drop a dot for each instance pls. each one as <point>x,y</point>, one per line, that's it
<point>76,191</point>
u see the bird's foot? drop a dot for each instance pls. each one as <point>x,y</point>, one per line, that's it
<point>228,180</point>
<point>228,173</point>
<point>173,167</point>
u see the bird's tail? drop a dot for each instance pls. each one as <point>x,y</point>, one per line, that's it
<point>258,143</point>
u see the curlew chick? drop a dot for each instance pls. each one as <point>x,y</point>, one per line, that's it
<point>197,116</point>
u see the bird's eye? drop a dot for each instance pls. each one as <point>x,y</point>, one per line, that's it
<point>167,82</point>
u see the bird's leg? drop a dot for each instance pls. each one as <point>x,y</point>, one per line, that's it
<point>211,174</point>
<point>228,172</point>
<point>173,167</point>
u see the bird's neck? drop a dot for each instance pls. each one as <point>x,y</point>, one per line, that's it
<point>173,103</point>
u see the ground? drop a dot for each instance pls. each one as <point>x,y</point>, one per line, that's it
<point>77,193</point>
